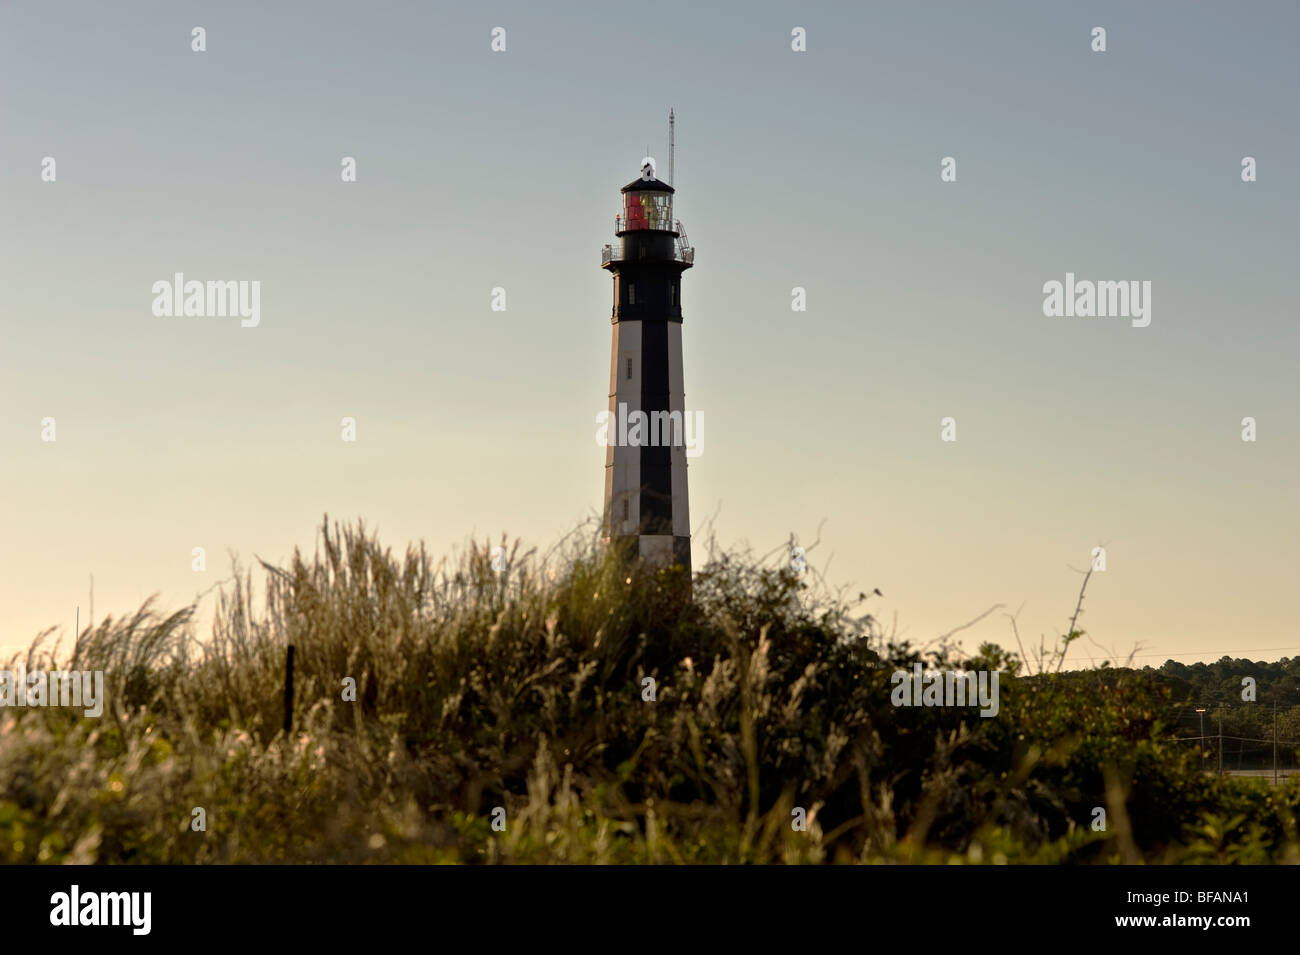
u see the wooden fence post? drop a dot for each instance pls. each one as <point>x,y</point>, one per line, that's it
<point>288,690</point>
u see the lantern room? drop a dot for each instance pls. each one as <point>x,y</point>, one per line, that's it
<point>647,205</point>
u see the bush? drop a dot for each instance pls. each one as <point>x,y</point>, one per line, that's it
<point>523,688</point>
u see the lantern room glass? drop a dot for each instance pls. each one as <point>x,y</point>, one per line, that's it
<point>648,210</point>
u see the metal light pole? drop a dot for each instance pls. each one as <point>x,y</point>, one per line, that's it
<point>1201,710</point>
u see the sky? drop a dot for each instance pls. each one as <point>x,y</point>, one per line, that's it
<point>817,169</point>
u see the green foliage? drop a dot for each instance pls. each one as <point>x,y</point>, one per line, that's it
<point>523,689</point>
<point>1248,727</point>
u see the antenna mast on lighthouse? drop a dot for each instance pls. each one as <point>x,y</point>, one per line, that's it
<point>672,147</point>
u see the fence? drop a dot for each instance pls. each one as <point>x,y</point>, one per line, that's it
<point>1232,752</point>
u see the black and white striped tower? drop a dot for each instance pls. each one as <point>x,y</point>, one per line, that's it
<point>646,509</point>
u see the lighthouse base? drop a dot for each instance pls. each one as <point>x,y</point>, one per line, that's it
<point>655,550</point>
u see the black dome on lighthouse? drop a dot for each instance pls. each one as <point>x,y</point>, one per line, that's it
<point>644,185</point>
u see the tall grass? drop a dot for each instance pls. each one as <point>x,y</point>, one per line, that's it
<point>526,688</point>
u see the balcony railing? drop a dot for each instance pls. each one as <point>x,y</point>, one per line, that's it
<point>684,254</point>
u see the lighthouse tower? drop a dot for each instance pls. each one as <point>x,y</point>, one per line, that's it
<point>646,509</point>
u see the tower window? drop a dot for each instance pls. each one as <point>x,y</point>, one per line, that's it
<point>631,293</point>
<point>625,509</point>
<point>674,294</point>
<point>629,369</point>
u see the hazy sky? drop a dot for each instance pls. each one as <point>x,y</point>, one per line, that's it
<point>817,169</point>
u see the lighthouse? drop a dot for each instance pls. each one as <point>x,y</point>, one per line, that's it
<point>646,513</point>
